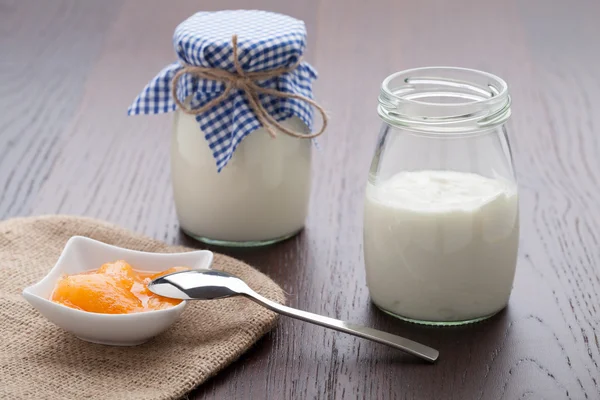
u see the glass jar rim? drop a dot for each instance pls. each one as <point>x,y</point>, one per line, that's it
<point>444,100</point>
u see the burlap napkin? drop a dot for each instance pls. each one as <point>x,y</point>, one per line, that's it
<point>40,361</point>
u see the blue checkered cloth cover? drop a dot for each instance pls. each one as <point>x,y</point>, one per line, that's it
<point>265,41</point>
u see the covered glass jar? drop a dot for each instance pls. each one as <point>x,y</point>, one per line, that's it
<point>241,148</point>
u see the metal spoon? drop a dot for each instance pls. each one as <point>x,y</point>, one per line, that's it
<point>208,284</point>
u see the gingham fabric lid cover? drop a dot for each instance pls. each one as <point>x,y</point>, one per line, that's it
<point>265,41</point>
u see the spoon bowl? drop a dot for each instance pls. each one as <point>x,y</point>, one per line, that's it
<point>203,284</point>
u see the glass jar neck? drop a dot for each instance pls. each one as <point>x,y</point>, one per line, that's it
<point>444,100</point>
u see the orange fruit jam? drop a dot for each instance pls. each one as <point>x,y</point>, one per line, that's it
<point>115,288</point>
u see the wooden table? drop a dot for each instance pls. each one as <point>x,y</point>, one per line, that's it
<point>69,69</point>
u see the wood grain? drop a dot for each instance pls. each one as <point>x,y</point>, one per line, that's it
<point>68,71</point>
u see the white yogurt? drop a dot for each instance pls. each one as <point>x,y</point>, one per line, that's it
<point>441,246</point>
<point>262,194</point>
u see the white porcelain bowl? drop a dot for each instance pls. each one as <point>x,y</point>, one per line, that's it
<point>83,254</point>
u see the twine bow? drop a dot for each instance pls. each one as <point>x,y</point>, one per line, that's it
<point>246,81</point>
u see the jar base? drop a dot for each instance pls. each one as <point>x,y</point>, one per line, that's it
<point>439,323</point>
<point>231,243</point>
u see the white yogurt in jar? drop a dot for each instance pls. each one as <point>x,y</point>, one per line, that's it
<point>261,195</point>
<point>441,246</point>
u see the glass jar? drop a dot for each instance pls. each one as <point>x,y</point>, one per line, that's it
<point>260,197</point>
<point>243,103</point>
<point>441,222</point>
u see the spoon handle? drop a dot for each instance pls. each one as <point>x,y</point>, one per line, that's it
<point>398,342</point>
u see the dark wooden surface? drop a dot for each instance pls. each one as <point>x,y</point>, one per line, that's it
<point>69,69</point>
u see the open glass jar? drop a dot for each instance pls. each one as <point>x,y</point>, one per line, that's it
<point>441,223</point>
